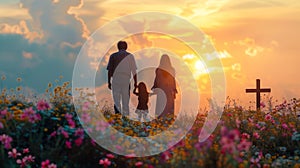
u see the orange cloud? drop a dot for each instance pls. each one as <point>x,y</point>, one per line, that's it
<point>27,55</point>
<point>85,30</point>
<point>252,48</point>
<point>21,29</point>
<point>13,12</point>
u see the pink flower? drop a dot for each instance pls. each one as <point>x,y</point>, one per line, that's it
<point>85,106</point>
<point>53,134</point>
<point>131,155</point>
<point>3,113</point>
<point>138,164</point>
<point>262,105</point>
<point>285,126</point>
<point>255,162</point>
<point>33,118</point>
<point>119,148</point>
<point>31,115</point>
<point>245,136</point>
<point>71,123</point>
<point>105,162</point>
<point>228,146</point>
<point>93,142</point>
<point>166,156</point>
<point>234,135</point>
<point>101,126</point>
<point>68,116</point>
<point>45,163</point>
<point>42,105</point>
<point>65,133</point>
<point>244,145</point>
<point>25,150</point>
<point>29,111</point>
<point>257,126</point>
<point>29,158</point>
<point>78,141</point>
<point>6,140</point>
<point>85,117</point>
<point>79,132</point>
<point>262,128</point>
<point>268,117</point>
<point>1,125</point>
<point>68,144</point>
<point>224,130</point>
<point>22,162</point>
<point>110,156</point>
<point>14,153</point>
<point>52,165</point>
<point>256,135</point>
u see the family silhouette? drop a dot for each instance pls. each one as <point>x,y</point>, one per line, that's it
<point>122,66</point>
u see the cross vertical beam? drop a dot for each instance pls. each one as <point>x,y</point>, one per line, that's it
<point>258,90</point>
<point>257,94</point>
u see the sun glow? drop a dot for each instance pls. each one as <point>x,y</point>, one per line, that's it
<point>196,65</point>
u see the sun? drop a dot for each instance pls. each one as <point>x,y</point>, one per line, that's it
<point>197,66</point>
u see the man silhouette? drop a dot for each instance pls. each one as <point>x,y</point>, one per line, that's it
<point>121,66</point>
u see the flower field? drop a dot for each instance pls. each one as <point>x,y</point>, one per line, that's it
<point>48,134</point>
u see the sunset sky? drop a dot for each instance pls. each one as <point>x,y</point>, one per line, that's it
<point>40,39</point>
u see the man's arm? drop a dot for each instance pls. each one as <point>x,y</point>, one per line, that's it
<point>135,80</point>
<point>110,68</point>
<point>135,92</point>
<point>133,70</point>
<point>109,75</point>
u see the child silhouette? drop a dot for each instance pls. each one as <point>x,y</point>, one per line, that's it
<point>143,98</point>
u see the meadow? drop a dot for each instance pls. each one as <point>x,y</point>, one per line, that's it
<point>47,133</point>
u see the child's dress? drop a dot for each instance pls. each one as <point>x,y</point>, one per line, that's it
<point>142,108</point>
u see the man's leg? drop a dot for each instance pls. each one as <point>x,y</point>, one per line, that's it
<point>125,100</point>
<point>117,111</point>
<point>116,91</point>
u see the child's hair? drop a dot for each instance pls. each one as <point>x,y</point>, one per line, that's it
<point>143,89</point>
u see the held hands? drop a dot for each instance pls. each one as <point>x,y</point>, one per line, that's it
<point>109,86</point>
<point>135,85</point>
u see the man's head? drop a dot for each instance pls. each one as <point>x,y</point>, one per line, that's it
<point>122,45</point>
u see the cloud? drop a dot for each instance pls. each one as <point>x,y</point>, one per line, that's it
<point>22,29</point>
<point>44,44</point>
<point>236,67</point>
<point>27,55</point>
<point>252,48</point>
<point>89,14</point>
<point>217,55</point>
<point>55,22</point>
<point>13,13</point>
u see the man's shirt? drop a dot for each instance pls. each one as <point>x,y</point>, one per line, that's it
<point>122,65</point>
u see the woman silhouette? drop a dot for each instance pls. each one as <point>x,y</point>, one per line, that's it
<point>165,88</point>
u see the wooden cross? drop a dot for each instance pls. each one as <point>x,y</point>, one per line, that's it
<point>258,90</point>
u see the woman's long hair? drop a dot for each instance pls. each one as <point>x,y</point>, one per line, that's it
<point>165,64</point>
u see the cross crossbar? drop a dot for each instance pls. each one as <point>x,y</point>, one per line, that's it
<point>258,90</point>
